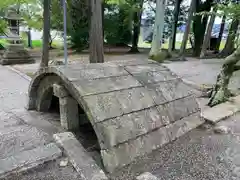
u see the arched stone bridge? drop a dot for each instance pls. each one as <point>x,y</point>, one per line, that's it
<point>134,107</point>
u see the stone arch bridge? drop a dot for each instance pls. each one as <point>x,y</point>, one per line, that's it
<point>134,107</point>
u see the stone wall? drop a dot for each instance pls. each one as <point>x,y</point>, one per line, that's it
<point>134,107</point>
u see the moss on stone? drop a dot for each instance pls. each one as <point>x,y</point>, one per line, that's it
<point>160,57</point>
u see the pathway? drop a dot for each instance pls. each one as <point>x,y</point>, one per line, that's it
<point>26,137</point>
<point>202,71</point>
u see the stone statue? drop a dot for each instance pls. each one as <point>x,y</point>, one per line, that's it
<point>15,52</point>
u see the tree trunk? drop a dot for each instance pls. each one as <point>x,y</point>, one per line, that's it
<point>172,40</point>
<point>199,25</point>
<point>208,33</point>
<point>46,31</point>
<point>229,46</point>
<point>187,29</point>
<point>158,29</point>
<point>29,38</point>
<point>220,34</point>
<point>136,28</point>
<point>220,92</point>
<point>96,33</point>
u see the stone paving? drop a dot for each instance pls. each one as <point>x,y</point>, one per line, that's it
<point>25,137</point>
<point>202,71</point>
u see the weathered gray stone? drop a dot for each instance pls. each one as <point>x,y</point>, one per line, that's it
<point>77,74</point>
<point>130,126</point>
<point>79,158</point>
<point>145,68</point>
<point>154,76</point>
<point>18,138</point>
<point>69,116</point>
<point>221,129</point>
<point>59,91</point>
<point>222,111</point>
<point>125,153</point>
<point>134,99</point>
<point>134,107</point>
<point>16,54</point>
<point>28,159</point>
<point>146,176</point>
<point>182,107</point>
<point>96,86</point>
<point>103,106</point>
<point>175,89</point>
<point>184,125</point>
<point>8,119</point>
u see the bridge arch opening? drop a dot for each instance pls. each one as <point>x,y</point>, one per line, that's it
<point>53,101</point>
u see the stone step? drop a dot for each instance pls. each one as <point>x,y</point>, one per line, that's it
<point>28,159</point>
<point>80,159</point>
<point>222,111</point>
<point>16,139</point>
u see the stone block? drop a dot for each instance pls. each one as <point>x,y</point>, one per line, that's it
<point>184,125</point>
<point>16,54</point>
<point>125,153</point>
<point>134,99</point>
<point>97,86</point>
<point>59,91</point>
<point>171,90</point>
<point>146,176</point>
<point>97,73</point>
<point>103,106</point>
<point>181,108</point>
<point>28,159</point>
<point>222,111</point>
<point>15,139</point>
<point>145,68</point>
<point>80,159</point>
<point>154,76</point>
<point>69,116</point>
<point>130,126</point>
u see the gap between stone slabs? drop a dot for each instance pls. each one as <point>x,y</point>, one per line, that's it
<point>222,111</point>
<point>80,159</point>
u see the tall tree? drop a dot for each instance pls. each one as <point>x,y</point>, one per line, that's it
<point>187,28</point>
<point>96,33</point>
<point>136,24</point>
<point>46,32</point>
<point>229,46</point>
<point>172,39</point>
<point>208,32</point>
<point>158,29</point>
<point>220,91</point>
<point>200,24</point>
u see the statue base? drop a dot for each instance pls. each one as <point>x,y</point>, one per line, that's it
<point>16,54</point>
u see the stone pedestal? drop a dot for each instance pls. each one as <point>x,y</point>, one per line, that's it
<point>69,116</point>
<point>69,113</point>
<point>16,54</point>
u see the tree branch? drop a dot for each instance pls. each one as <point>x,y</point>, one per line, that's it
<point>236,67</point>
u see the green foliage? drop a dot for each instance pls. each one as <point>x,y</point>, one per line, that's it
<point>232,10</point>
<point>161,56</point>
<point>116,26</point>
<point>79,34</point>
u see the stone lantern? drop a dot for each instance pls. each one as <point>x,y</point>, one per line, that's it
<point>15,52</point>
